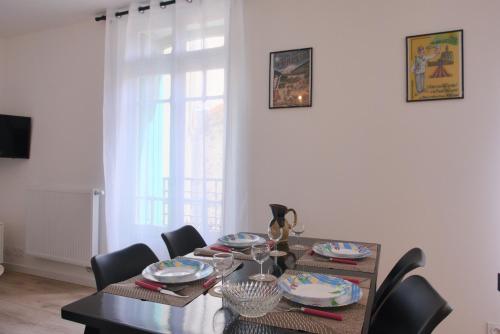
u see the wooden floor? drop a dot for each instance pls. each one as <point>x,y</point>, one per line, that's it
<point>32,305</point>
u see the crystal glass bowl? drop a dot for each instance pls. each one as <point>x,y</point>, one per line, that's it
<point>251,299</point>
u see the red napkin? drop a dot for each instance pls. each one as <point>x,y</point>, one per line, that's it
<point>323,314</point>
<point>209,283</point>
<point>220,248</point>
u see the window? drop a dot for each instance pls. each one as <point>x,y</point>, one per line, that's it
<point>180,175</point>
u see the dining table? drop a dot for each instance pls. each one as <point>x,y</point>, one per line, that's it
<point>206,314</point>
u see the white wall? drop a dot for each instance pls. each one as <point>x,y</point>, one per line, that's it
<point>2,70</point>
<point>362,164</point>
<point>55,77</point>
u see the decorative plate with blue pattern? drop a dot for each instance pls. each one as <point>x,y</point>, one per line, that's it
<point>240,240</point>
<point>320,290</point>
<point>179,270</point>
<point>347,250</point>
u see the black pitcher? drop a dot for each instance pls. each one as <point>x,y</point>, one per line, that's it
<point>279,221</point>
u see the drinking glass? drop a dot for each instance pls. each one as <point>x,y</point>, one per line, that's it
<point>222,262</point>
<point>298,229</point>
<point>260,254</point>
<point>275,237</point>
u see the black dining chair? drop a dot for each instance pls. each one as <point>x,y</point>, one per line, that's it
<point>413,259</point>
<point>183,241</point>
<point>414,307</point>
<point>120,265</point>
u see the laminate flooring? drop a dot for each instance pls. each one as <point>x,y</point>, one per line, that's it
<point>32,305</point>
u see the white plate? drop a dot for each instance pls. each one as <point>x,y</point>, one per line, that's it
<point>320,290</point>
<point>347,250</point>
<point>179,270</point>
<point>241,240</point>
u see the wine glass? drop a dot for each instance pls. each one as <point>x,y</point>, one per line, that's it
<point>275,234</point>
<point>222,261</point>
<point>298,229</point>
<point>260,254</point>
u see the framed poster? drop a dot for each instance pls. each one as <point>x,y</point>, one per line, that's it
<point>435,66</point>
<point>290,79</point>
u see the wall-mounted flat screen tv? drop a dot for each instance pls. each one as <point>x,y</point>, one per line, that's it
<point>15,136</point>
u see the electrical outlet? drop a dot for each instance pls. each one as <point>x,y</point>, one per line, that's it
<point>493,328</point>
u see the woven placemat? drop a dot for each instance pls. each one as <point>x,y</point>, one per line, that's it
<point>352,323</point>
<point>129,289</point>
<point>206,251</point>
<point>366,265</point>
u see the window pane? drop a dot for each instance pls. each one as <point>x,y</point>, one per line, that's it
<point>194,45</point>
<point>165,109</point>
<point>193,140</point>
<point>215,23</point>
<point>194,84</point>
<point>215,82</point>
<point>214,42</point>
<point>214,139</point>
<point>165,87</point>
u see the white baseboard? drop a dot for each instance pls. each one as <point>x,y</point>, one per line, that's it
<point>86,281</point>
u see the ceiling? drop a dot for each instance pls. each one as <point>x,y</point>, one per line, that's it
<point>19,17</point>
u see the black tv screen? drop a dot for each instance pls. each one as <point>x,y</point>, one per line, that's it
<point>15,136</point>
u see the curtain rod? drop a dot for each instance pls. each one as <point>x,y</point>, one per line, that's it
<point>140,9</point>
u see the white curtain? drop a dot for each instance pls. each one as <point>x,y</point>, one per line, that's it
<point>170,122</point>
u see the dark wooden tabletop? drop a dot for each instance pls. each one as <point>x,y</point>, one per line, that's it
<point>204,315</point>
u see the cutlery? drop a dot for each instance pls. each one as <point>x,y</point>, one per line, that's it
<point>315,312</point>
<point>159,289</point>
<point>225,250</point>
<point>164,286</point>
<point>352,280</point>
<point>337,260</point>
<point>209,282</point>
<point>344,261</point>
<point>240,249</point>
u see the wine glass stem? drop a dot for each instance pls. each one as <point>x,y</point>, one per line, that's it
<point>261,274</point>
<point>222,273</point>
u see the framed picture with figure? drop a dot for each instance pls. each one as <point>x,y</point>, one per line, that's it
<point>435,66</point>
<point>290,78</point>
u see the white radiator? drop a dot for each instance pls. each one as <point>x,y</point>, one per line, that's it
<point>63,225</point>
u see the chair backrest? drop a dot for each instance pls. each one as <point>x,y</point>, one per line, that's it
<point>183,241</point>
<point>120,265</point>
<point>413,259</point>
<point>414,307</point>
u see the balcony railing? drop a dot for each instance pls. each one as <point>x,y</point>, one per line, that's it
<point>199,204</point>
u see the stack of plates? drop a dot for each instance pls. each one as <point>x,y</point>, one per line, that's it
<point>241,240</point>
<point>346,250</point>
<point>177,271</point>
<point>319,290</point>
